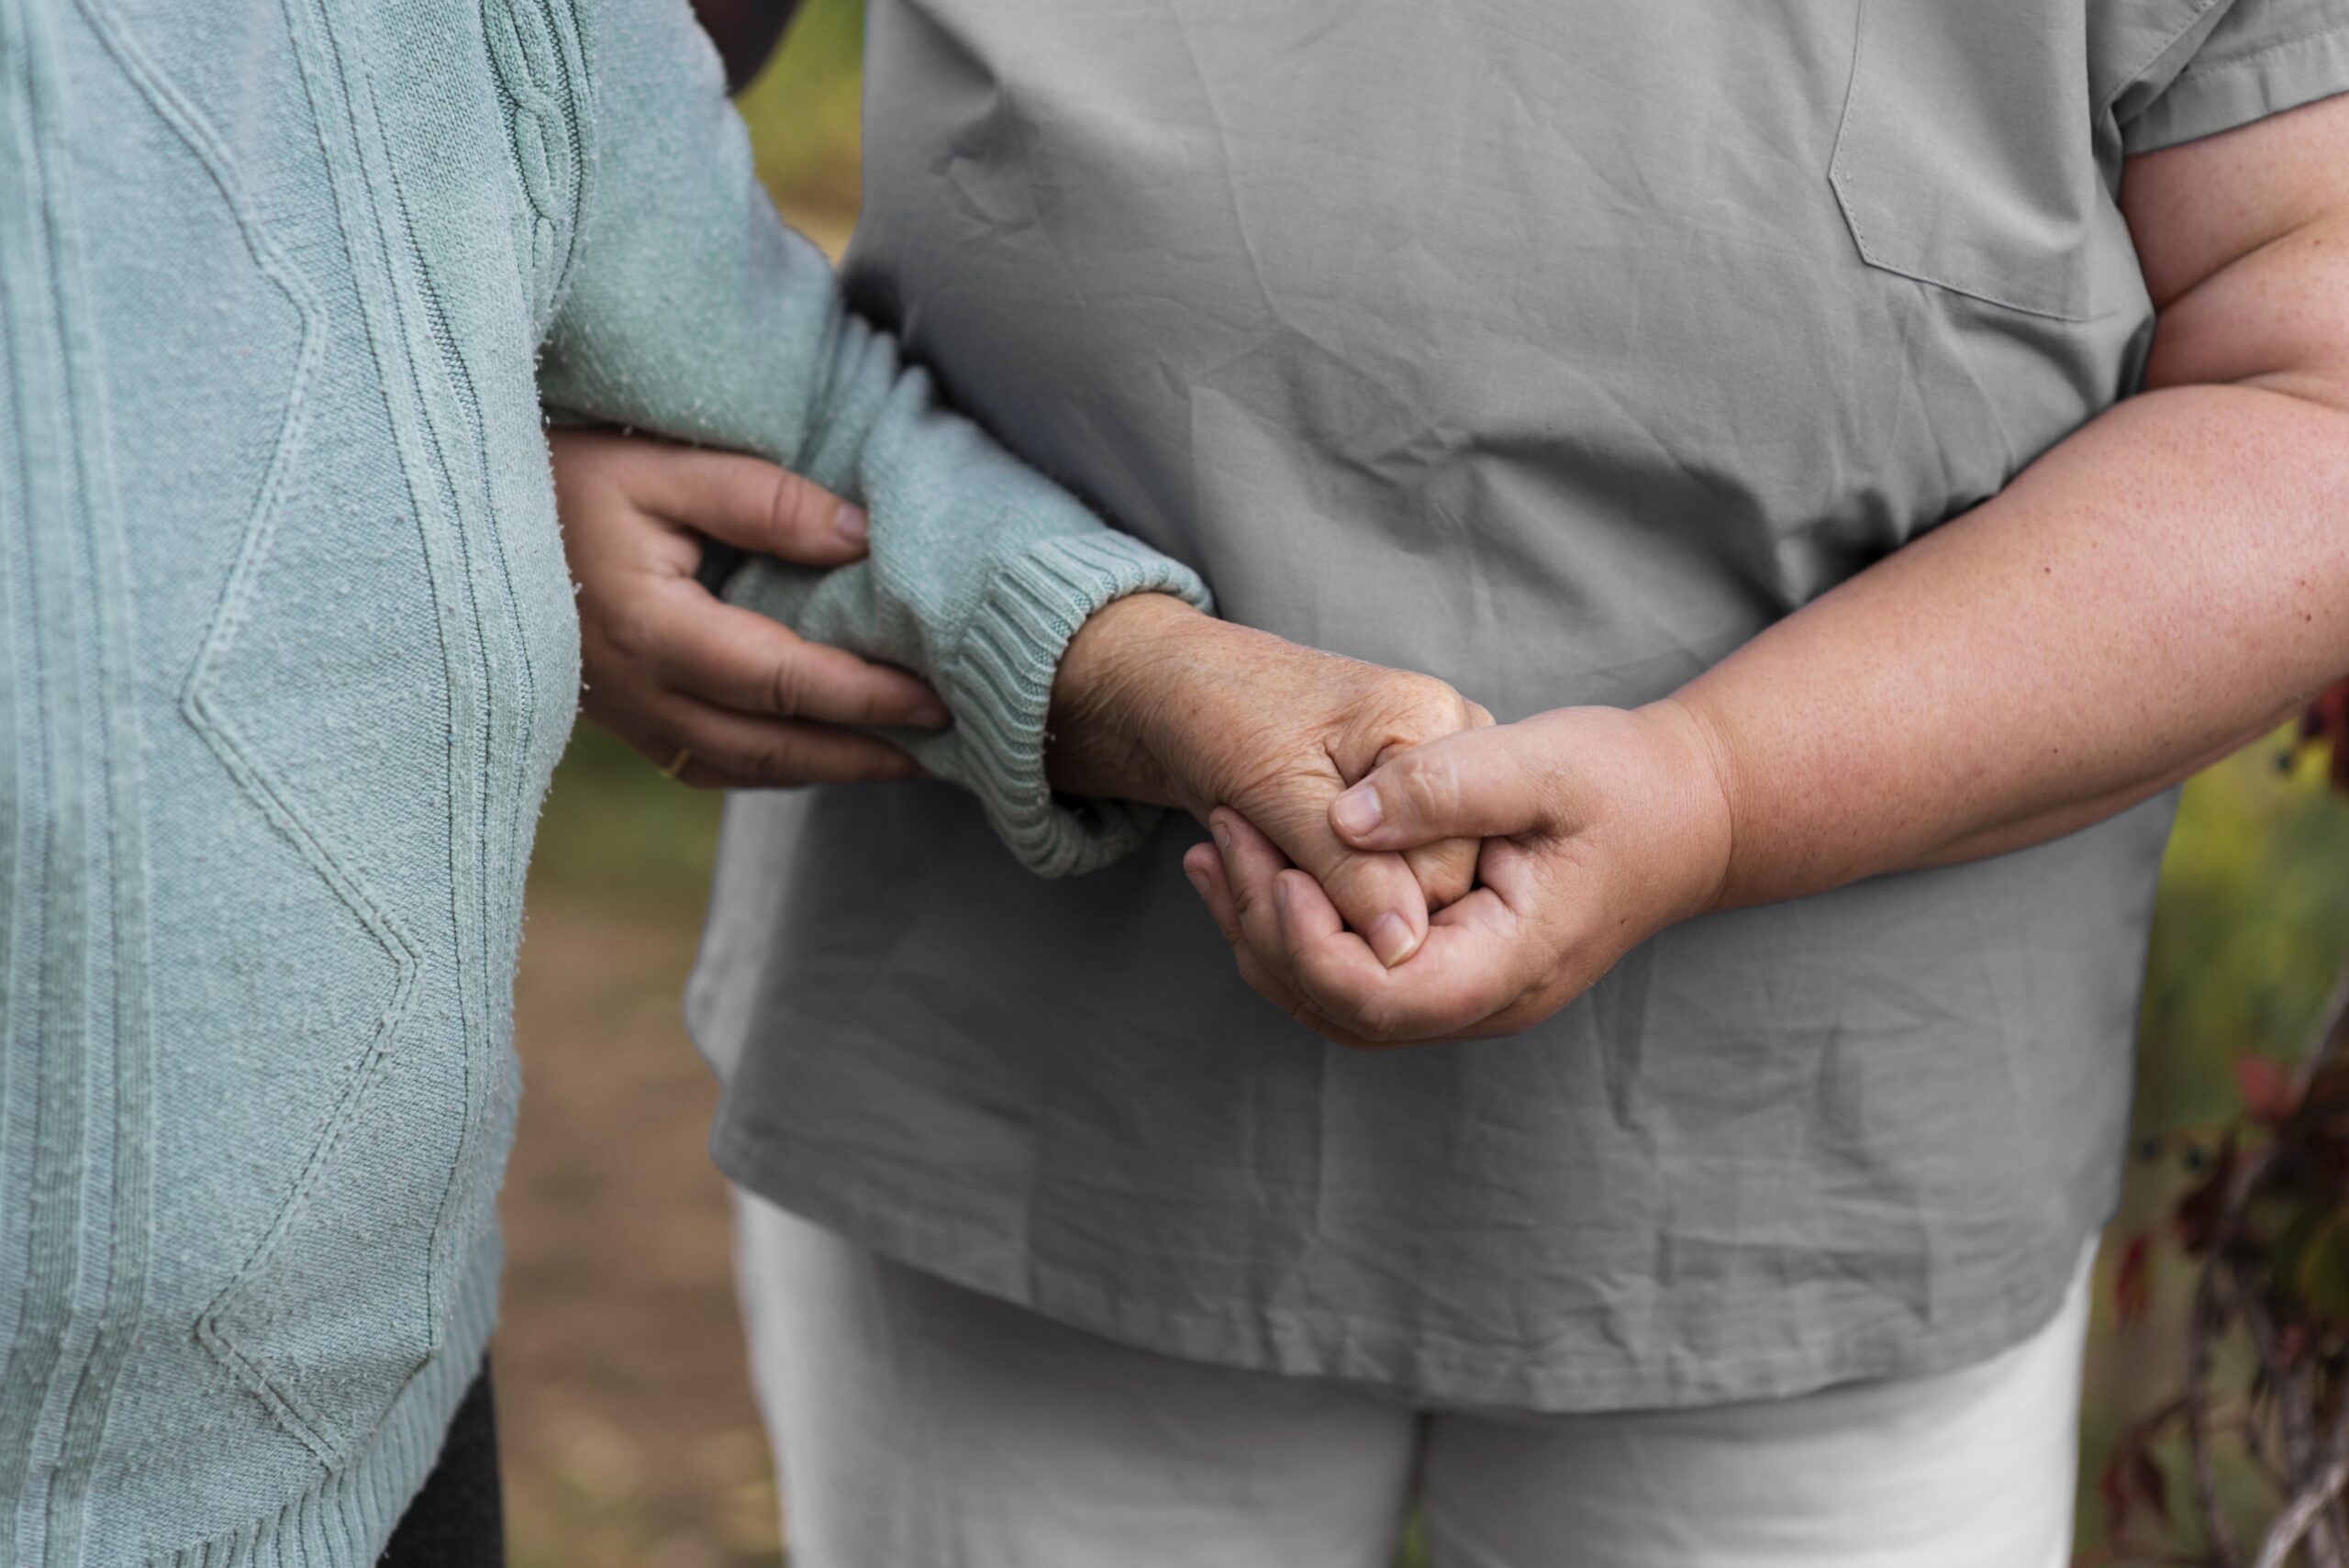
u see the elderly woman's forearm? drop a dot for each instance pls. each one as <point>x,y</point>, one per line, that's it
<point>2172,578</point>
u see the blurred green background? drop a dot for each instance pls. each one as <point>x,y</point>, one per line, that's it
<point>630,1438</point>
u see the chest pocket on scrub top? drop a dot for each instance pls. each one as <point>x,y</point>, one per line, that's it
<point>1966,157</point>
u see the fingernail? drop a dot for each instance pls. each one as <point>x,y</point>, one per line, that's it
<point>1357,811</point>
<point>1198,883</point>
<point>929,715</point>
<point>851,524</point>
<point>1222,836</point>
<point>1391,940</point>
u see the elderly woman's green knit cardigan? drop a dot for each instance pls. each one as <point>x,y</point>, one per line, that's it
<point>286,656</point>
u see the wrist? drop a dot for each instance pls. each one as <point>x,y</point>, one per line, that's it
<point>1705,808</point>
<point>1104,732</point>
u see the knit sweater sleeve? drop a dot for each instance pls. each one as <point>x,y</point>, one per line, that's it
<point>691,310</point>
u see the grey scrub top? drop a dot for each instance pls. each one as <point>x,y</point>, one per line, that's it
<point>1556,348</point>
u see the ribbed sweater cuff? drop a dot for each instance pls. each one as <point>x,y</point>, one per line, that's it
<point>999,679</point>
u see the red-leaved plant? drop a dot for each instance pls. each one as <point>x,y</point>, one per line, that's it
<point>2264,1228</point>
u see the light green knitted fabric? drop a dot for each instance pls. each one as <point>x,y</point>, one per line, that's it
<point>288,652</point>
<point>697,314</point>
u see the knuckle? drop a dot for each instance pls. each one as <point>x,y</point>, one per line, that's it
<point>1260,980</point>
<point>783,503</point>
<point>1349,875</point>
<point>769,762</point>
<point>1366,885</point>
<point>1429,703</point>
<point>1446,870</point>
<point>1359,1034</point>
<point>797,508</point>
<point>1377,1021</point>
<point>1226,927</point>
<point>625,630</point>
<point>775,767</point>
<point>1428,785</point>
<point>870,703</point>
<point>786,691</point>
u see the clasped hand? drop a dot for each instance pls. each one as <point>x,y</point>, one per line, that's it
<point>1388,866</point>
<point>1598,828</point>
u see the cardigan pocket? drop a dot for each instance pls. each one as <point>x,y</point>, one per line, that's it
<point>1967,156</point>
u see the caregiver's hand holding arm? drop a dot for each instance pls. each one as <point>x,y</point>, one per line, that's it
<point>2164,584</point>
<point>704,319</point>
<point>1154,701</point>
<point>736,700</point>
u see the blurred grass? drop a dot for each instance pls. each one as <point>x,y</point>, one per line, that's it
<point>2253,920</point>
<point>615,830</point>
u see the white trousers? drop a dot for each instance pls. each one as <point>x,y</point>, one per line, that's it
<point>918,1425</point>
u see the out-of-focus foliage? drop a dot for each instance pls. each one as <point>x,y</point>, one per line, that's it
<point>2216,1376</point>
<point>802,111</point>
<point>615,830</point>
<point>2253,926</point>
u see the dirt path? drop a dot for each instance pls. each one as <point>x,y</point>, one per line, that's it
<point>629,1436</point>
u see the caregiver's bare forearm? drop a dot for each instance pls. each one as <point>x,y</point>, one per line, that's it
<point>2172,579</point>
<point>2164,584</point>
<point>2071,819</point>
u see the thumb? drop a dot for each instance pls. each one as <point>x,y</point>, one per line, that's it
<point>753,505</point>
<point>1472,785</point>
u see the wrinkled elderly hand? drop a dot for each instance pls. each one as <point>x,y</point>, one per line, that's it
<point>1600,827</point>
<point>1157,702</point>
<point>720,697</point>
